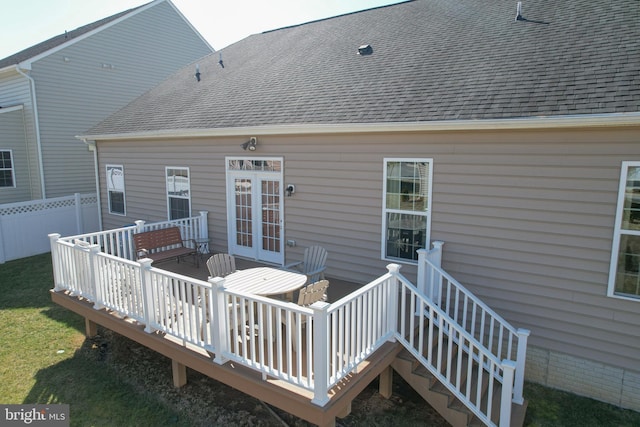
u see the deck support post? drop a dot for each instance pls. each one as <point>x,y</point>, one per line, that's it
<point>386,382</point>
<point>179,372</point>
<point>345,411</point>
<point>90,328</point>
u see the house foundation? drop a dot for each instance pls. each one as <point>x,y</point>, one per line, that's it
<point>606,383</point>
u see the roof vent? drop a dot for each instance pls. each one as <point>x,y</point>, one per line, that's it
<point>519,12</point>
<point>365,49</point>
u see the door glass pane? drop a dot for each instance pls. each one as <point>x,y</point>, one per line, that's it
<point>244,235</point>
<point>271,216</point>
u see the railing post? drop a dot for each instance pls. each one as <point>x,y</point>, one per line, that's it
<point>140,225</point>
<point>422,271</point>
<point>55,260</point>
<point>146,283</point>
<point>434,256</point>
<point>204,225</point>
<point>93,277</point>
<point>394,289</point>
<point>320,353</point>
<point>508,368</point>
<point>218,315</point>
<point>521,357</point>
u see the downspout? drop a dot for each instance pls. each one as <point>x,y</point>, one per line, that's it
<point>93,147</point>
<point>37,123</point>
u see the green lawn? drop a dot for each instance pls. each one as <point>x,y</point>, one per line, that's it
<point>44,358</point>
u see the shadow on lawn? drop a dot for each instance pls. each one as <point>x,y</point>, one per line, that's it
<point>96,394</point>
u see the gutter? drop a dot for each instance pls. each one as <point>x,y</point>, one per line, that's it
<point>36,119</point>
<point>547,122</point>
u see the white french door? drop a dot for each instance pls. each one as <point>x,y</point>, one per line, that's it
<point>254,208</point>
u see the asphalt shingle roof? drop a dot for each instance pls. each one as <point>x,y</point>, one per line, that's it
<point>431,60</point>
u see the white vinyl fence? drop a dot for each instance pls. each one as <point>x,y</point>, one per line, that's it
<point>25,226</point>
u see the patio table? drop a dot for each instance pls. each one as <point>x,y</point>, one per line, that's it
<point>265,281</point>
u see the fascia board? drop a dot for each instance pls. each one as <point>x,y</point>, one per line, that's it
<point>559,122</point>
<point>26,65</point>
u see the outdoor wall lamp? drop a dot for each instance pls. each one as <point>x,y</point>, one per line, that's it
<point>290,190</point>
<point>250,144</point>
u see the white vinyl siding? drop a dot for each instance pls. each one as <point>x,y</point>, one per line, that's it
<point>624,277</point>
<point>17,128</point>
<point>526,216</point>
<point>81,84</point>
<point>406,208</point>
<point>178,193</point>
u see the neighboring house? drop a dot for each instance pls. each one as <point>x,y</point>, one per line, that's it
<point>514,141</point>
<point>53,91</point>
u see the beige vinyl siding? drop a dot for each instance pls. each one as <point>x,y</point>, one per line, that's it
<point>13,138</point>
<point>102,73</point>
<point>527,216</point>
<point>15,90</point>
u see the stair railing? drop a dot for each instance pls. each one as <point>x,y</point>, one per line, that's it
<point>494,334</point>
<point>454,357</point>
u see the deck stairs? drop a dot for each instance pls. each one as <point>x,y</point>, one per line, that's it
<point>443,400</point>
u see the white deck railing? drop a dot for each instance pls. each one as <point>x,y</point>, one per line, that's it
<point>486,333</point>
<point>316,347</point>
<point>119,241</point>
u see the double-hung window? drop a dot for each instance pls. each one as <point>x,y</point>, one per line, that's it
<point>115,189</point>
<point>178,192</point>
<point>7,175</point>
<point>624,275</point>
<point>406,220</point>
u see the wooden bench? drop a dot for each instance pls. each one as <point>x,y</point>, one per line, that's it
<point>163,244</point>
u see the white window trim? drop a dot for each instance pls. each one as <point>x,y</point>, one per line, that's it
<point>618,231</point>
<point>166,169</point>
<point>427,213</point>
<point>13,168</point>
<point>124,196</point>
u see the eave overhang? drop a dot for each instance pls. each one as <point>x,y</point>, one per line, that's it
<point>550,122</point>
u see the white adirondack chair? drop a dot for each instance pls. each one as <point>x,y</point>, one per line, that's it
<point>314,292</point>
<point>220,265</point>
<point>313,264</point>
